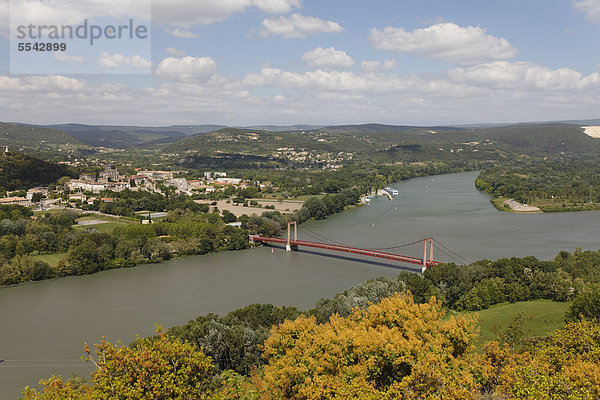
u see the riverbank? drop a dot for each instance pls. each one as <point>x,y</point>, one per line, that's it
<point>549,185</point>
<point>511,205</point>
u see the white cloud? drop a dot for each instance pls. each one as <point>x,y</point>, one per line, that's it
<point>446,41</point>
<point>41,84</point>
<point>192,92</point>
<point>591,8</point>
<point>327,58</point>
<point>120,60</point>
<point>187,13</point>
<point>186,68</point>
<point>181,33</point>
<point>170,14</point>
<point>175,52</point>
<point>331,81</point>
<point>75,11</point>
<point>298,26</point>
<point>173,13</point>
<point>61,56</point>
<point>277,6</point>
<point>523,75</point>
<point>372,66</point>
<point>500,76</point>
<point>389,64</point>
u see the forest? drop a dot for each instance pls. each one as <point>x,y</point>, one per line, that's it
<point>553,186</point>
<point>19,171</point>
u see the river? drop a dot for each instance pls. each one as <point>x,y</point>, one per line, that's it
<point>44,325</point>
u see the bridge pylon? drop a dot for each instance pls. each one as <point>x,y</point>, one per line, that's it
<point>425,260</point>
<point>288,245</point>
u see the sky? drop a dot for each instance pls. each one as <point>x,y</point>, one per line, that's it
<point>284,62</point>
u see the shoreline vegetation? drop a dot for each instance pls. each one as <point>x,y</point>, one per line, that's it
<point>544,186</point>
<point>513,206</point>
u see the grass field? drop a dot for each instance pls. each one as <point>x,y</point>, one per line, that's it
<point>51,259</point>
<point>271,196</point>
<point>546,316</point>
<point>49,211</point>
<point>98,217</point>
<point>107,227</point>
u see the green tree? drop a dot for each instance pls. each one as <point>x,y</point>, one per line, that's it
<point>315,208</point>
<point>84,257</point>
<point>585,305</point>
<point>228,217</point>
<point>37,197</point>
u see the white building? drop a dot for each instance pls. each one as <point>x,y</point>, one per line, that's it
<point>110,173</point>
<point>21,201</point>
<point>212,174</point>
<point>31,192</point>
<point>94,187</point>
<point>180,183</point>
<point>228,181</point>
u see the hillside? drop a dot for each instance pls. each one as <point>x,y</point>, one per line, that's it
<point>391,144</point>
<point>124,139</point>
<point>16,136</point>
<point>20,171</point>
<point>119,137</point>
<point>541,139</point>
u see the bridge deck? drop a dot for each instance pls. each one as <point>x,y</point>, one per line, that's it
<point>347,249</point>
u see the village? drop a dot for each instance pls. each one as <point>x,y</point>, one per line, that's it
<point>90,189</point>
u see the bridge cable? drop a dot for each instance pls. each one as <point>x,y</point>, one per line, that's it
<point>399,246</point>
<point>321,237</point>
<point>456,256</point>
<point>450,257</point>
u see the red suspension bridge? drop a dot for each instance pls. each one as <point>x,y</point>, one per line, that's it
<point>292,245</point>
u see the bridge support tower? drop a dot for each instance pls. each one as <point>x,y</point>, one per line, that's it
<point>428,241</point>
<point>288,245</point>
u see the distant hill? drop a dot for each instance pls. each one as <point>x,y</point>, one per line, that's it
<point>583,122</point>
<point>184,129</point>
<point>16,136</point>
<point>124,139</point>
<point>20,171</point>
<point>118,137</point>
<point>372,128</point>
<point>539,139</point>
<point>388,132</point>
<point>284,128</point>
<point>121,137</point>
<point>393,143</point>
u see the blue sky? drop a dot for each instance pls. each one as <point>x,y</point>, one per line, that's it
<point>245,62</point>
